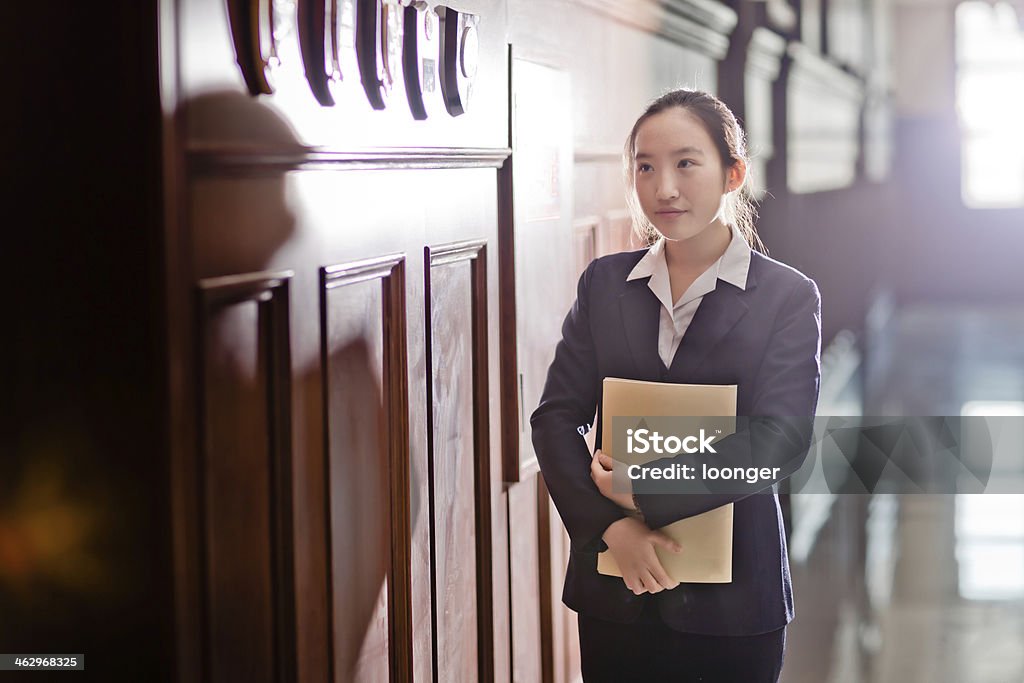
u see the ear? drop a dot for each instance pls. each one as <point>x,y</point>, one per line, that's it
<point>735,176</point>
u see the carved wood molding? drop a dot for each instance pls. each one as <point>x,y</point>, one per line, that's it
<point>822,74</point>
<point>781,15</point>
<point>233,289</point>
<point>214,159</point>
<point>359,271</point>
<point>764,57</point>
<point>457,251</point>
<point>317,24</point>
<point>376,43</point>
<point>702,25</point>
<point>253,40</point>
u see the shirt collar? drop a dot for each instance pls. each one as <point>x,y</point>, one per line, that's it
<point>732,267</point>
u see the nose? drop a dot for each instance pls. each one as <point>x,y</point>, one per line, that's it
<point>666,189</point>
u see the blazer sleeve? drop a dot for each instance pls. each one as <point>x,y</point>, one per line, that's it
<point>779,430</point>
<point>568,402</point>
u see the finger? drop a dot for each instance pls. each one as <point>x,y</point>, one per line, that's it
<point>652,584</point>
<point>661,576</point>
<point>606,461</point>
<point>660,539</point>
<point>638,587</point>
<point>657,569</point>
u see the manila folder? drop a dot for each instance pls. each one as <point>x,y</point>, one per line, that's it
<point>706,538</point>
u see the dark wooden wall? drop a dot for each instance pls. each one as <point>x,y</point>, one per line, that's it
<point>286,350</point>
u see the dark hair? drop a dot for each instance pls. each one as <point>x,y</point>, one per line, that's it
<point>731,143</point>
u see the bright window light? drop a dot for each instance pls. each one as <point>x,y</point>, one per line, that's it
<point>992,408</point>
<point>990,104</point>
<point>990,546</point>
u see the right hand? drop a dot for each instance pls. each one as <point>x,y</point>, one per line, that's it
<point>632,545</point>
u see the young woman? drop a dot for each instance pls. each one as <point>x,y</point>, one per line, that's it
<point>698,306</point>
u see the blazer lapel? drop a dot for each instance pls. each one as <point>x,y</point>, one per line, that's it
<point>641,311</point>
<point>718,313</point>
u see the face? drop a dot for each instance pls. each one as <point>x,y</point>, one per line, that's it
<point>680,180</point>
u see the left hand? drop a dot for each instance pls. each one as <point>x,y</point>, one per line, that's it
<point>601,473</point>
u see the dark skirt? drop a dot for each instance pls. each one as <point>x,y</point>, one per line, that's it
<point>650,650</point>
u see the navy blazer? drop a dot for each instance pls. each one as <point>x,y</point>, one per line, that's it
<point>767,340</point>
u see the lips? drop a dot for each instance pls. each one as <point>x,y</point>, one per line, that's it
<point>670,212</point>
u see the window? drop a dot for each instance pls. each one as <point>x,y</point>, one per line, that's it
<point>990,527</point>
<point>990,104</point>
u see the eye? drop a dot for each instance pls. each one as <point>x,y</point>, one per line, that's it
<point>643,168</point>
<point>685,163</point>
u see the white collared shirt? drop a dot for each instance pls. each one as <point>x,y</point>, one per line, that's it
<point>732,267</point>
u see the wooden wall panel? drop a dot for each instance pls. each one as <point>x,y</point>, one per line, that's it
<point>459,461</point>
<point>615,233</point>
<point>559,630</point>
<point>585,231</point>
<point>367,482</point>
<point>559,623</point>
<point>239,219</point>
<point>524,563</point>
<point>246,478</point>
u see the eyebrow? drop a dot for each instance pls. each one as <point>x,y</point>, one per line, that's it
<point>681,150</point>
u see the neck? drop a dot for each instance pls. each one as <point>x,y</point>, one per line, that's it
<point>699,251</point>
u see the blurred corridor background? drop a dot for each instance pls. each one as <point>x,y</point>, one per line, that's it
<point>287,276</point>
